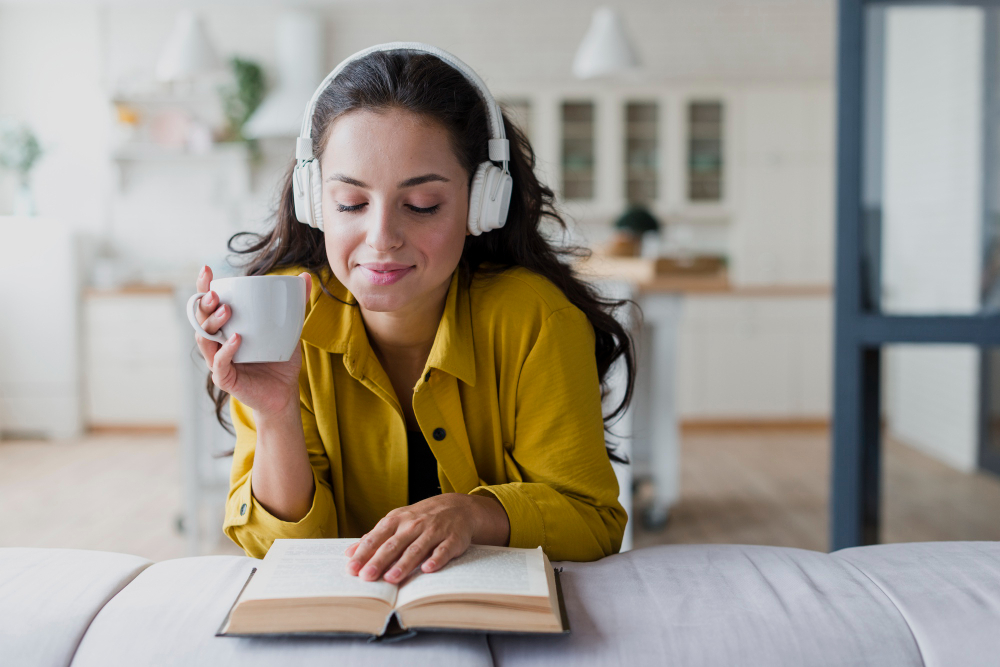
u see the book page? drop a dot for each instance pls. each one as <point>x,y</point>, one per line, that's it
<point>312,568</point>
<point>482,569</point>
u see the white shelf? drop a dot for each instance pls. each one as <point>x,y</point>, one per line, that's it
<point>232,157</point>
<point>154,153</point>
<point>164,95</point>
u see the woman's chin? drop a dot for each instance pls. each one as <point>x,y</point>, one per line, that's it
<point>381,299</point>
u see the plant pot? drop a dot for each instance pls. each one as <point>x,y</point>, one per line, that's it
<point>624,244</point>
<point>24,199</point>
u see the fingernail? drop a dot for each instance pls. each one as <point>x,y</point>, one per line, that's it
<point>394,573</point>
<point>203,269</point>
<point>353,566</point>
<point>429,565</point>
<point>369,571</point>
<point>232,339</point>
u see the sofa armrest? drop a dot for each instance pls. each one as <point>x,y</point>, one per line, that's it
<point>948,592</point>
<point>48,598</point>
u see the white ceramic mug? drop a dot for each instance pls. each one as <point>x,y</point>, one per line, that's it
<point>266,311</point>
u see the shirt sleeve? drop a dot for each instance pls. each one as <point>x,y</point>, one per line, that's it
<point>567,499</point>
<point>246,522</point>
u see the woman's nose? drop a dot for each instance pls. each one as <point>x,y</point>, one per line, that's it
<point>383,228</point>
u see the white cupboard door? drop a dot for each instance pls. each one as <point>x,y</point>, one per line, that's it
<point>755,358</point>
<point>132,348</point>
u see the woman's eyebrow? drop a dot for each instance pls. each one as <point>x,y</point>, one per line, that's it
<point>408,183</point>
<point>419,180</point>
<point>347,179</point>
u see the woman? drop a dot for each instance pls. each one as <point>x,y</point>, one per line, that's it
<point>447,385</point>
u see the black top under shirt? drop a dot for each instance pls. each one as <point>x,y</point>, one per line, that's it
<point>423,470</point>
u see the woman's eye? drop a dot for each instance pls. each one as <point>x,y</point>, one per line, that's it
<point>342,208</point>
<point>424,211</point>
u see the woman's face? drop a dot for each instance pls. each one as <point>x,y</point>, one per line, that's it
<point>395,207</point>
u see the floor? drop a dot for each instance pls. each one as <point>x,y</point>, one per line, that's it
<point>123,493</point>
<point>772,487</point>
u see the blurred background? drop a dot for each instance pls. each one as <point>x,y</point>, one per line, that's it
<point>692,146</point>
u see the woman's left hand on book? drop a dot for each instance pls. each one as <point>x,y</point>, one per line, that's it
<point>427,534</point>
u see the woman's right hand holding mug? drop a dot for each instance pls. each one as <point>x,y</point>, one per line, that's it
<point>269,389</point>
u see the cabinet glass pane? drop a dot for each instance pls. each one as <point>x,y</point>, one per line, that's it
<point>705,151</point>
<point>578,150</point>
<point>930,155</point>
<point>641,152</point>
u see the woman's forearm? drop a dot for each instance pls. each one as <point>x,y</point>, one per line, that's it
<point>282,479</point>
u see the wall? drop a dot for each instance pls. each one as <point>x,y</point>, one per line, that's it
<point>50,75</point>
<point>761,54</point>
<point>783,232</point>
<point>771,61</point>
<point>931,231</point>
<point>39,357</point>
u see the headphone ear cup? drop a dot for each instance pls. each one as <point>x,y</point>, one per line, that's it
<point>316,181</point>
<point>477,197</point>
<point>307,193</point>
<point>301,193</point>
<point>497,189</point>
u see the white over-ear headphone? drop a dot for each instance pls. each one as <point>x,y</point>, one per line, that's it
<point>489,196</point>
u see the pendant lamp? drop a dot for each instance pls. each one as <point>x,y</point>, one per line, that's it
<point>605,50</point>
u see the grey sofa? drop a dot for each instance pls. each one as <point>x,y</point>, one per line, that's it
<point>906,604</point>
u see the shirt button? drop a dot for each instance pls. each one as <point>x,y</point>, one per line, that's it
<point>243,510</point>
<point>438,434</point>
<point>427,378</point>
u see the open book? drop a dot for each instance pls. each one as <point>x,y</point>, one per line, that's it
<point>302,586</point>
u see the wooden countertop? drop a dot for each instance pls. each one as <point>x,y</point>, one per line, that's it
<point>633,269</point>
<point>129,290</point>
<point>643,273</point>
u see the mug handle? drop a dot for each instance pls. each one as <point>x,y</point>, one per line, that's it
<point>192,304</point>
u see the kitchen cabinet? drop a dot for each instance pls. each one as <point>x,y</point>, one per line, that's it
<point>39,319</point>
<point>132,342</point>
<point>759,355</point>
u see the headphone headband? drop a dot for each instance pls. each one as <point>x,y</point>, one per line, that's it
<point>490,187</point>
<point>499,146</point>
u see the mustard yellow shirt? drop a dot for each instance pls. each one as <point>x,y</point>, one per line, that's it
<point>509,402</point>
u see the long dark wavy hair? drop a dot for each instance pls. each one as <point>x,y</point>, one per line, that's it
<point>424,84</point>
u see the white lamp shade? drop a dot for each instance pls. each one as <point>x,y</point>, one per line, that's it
<point>188,51</point>
<point>299,61</point>
<point>605,49</point>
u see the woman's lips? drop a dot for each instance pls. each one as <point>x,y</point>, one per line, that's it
<point>384,274</point>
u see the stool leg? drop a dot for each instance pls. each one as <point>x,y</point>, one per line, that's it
<point>662,312</point>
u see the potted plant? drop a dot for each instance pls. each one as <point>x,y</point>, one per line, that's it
<point>241,98</point>
<point>629,230</point>
<point>19,152</point>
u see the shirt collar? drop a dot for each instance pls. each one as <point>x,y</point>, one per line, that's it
<point>339,328</point>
